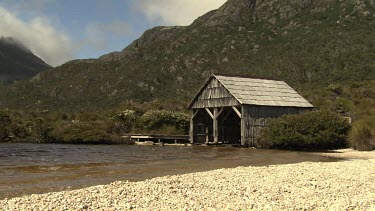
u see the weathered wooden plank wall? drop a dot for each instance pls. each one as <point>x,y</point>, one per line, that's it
<point>254,120</point>
<point>215,96</point>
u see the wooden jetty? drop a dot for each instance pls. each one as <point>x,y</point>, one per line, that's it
<point>150,139</point>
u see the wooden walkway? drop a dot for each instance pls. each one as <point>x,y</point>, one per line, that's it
<point>167,139</point>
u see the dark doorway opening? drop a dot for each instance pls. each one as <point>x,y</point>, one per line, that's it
<point>231,127</point>
<point>203,127</point>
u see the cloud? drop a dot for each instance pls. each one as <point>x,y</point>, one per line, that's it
<point>34,7</point>
<point>38,34</point>
<point>98,34</point>
<point>176,12</point>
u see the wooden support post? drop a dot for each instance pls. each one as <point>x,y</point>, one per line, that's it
<point>243,126</point>
<point>219,113</point>
<point>216,126</point>
<point>210,113</point>
<point>237,111</point>
<point>191,130</point>
<point>195,113</point>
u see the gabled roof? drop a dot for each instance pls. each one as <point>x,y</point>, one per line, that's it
<point>263,92</point>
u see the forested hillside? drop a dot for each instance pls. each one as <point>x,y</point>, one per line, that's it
<point>312,45</point>
<point>17,62</point>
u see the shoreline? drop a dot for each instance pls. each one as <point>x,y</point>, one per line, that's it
<point>348,154</point>
<point>344,184</point>
<point>119,164</point>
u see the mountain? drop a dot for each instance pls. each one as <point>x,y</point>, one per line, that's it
<point>17,62</point>
<point>308,44</point>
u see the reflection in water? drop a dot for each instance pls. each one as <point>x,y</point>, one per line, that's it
<point>39,168</point>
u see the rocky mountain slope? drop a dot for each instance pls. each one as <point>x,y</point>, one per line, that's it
<point>17,62</point>
<point>308,43</point>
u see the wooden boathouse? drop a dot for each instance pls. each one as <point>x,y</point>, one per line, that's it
<point>233,110</point>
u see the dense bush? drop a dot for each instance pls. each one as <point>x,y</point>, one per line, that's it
<point>316,130</point>
<point>124,122</point>
<point>167,120</point>
<point>92,128</point>
<point>106,127</point>
<point>362,135</point>
<point>5,123</point>
<point>91,132</point>
<point>20,130</point>
<point>42,131</point>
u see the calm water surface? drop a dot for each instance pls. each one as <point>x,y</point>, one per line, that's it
<point>40,168</point>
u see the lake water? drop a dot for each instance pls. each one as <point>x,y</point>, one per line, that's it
<point>40,168</point>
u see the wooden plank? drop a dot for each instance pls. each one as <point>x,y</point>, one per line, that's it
<point>191,130</point>
<point>195,113</point>
<point>219,113</point>
<point>179,137</point>
<point>237,111</point>
<point>243,126</point>
<point>211,103</point>
<point>140,137</point>
<point>210,113</point>
<point>215,126</point>
<point>214,95</point>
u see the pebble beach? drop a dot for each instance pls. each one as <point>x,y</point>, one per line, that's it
<point>343,185</point>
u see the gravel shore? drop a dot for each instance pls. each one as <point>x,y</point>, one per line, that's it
<point>349,154</point>
<point>345,185</point>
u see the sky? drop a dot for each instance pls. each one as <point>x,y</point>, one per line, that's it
<point>62,30</point>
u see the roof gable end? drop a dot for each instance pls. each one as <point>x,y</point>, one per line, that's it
<point>248,91</point>
<point>213,94</point>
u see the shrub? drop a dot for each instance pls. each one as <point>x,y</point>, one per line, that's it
<point>158,119</point>
<point>124,122</point>
<point>19,131</point>
<point>362,135</point>
<point>84,132</point>
<point>335,88</point>
<point>5,119</point>
<point>5,123</point>
<point>93,132</point>
<point>42,131</point>
<point>315,130</point>
<point>4,134</point>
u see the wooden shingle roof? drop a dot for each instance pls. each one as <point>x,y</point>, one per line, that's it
<point>263,92</point>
